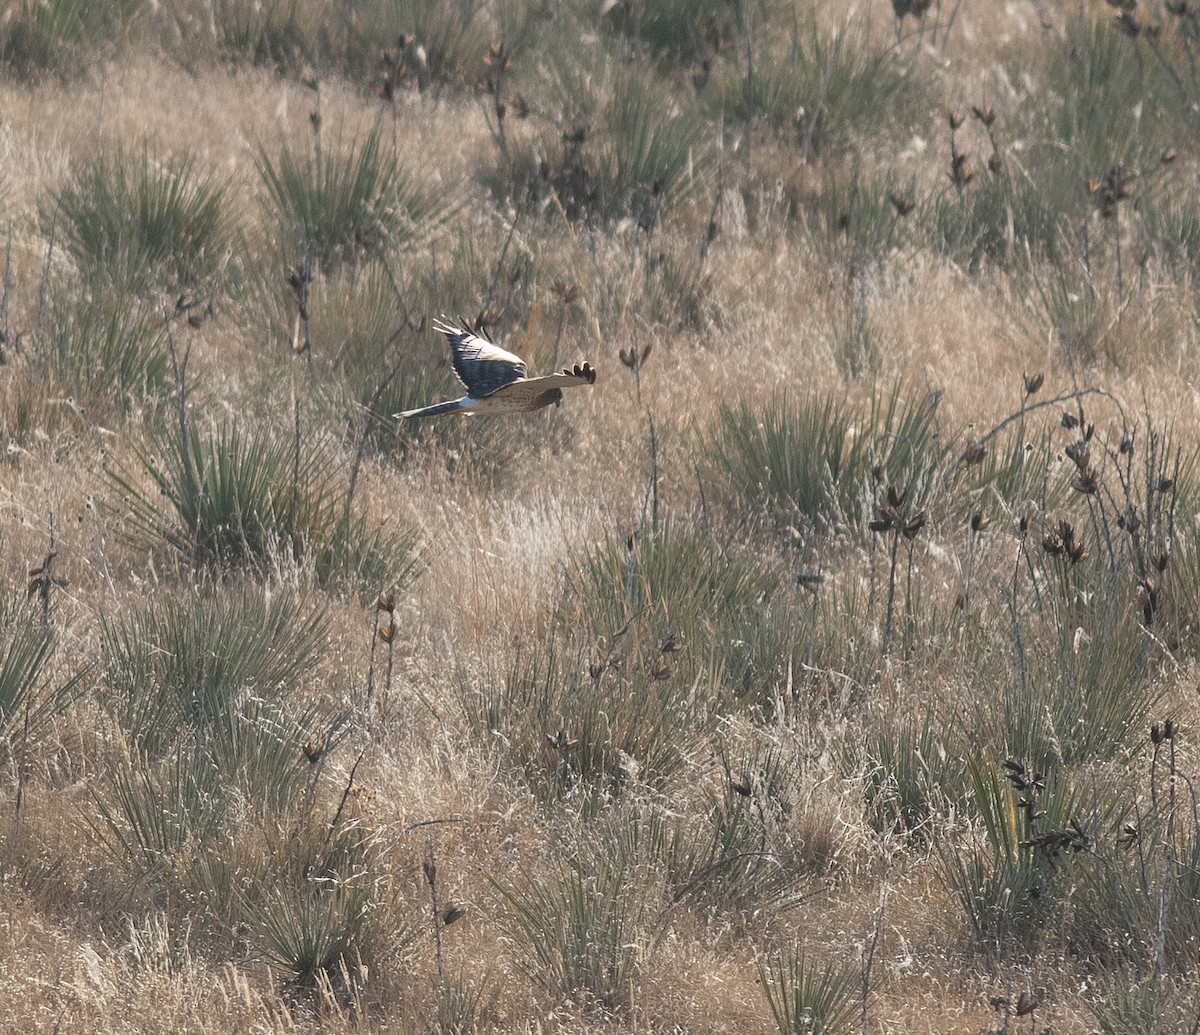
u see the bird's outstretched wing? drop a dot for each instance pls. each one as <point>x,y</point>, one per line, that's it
<point>571,377</point>
<point>481,365</point>
<point>532,393</point>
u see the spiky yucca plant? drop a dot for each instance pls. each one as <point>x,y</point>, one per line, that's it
<point>346,208</point>
<point>805,996</point>
<point>228,499</point>
<point>141,223</point>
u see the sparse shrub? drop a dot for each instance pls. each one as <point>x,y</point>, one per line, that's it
<point>142,224</point>
<point>347,208</point>
<point>309,929</point>
<point>806,997</point>
<point>1116,90</point>
<point>96,361</point>
<point>1088,690</point>
<point>154,814</point>
<point>1086,318</point>
<point>1173,226</point>
<point>677,292</point>
<point>1017,473</point>
<point>862,222</point>
<point>215,813</point>
<point>243,764</point>
<point>1121,1003</point>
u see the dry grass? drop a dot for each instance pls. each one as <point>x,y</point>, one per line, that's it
<point>793,770</point>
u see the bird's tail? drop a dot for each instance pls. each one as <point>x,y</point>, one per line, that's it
<point>453,406</point>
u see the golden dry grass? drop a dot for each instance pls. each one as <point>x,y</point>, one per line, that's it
<point>88,943</point>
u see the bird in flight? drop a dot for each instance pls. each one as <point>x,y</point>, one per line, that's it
<point>496,380</point>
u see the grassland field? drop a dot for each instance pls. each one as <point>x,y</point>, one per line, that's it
<point>830,665</point>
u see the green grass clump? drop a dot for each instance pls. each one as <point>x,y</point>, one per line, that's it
<point>758,860</point>
<point>827,93</point>
<point>625,148</point>
<point>142,224</point>
<point>108,357</point>
<point>178,666</point>
<point>273,34</point>
<point>348,208</point>
<point>676,32</point>
<point>585,929</point>
<point>909,770</point>
<point>444,43</point>
<point>819,463</point>
<point>1008,888</point>
<point>227,499</point>
<point>311,929</point>
<point>804,996</point>
<point>30,698</point>
<point>61,37</point>
<point>686,605</point>
<point>571,733</point>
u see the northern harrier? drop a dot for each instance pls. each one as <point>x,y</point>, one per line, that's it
<point>496,380</point>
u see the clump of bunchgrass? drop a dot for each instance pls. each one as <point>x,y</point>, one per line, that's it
<point>674,31</point>
<point>334,208</point>
<point>30,697</point>
<point>595,728</point>
<point>309,929</point>
<point>142,224</point>
<point>466,1004</point>
<point>806,996</point>
<point>817,462</point>
<point>673,601</point>
<point>585,926</point>
<point>229,499</point>
<point>625,148</point>
<point>61,37</point>
<point>414,44</point>
<point>272,35</point>
<point>826,92</point>
<point>179,665</point>
<point>1036,835</point>
<point>758,861</point>
<point>909,768</point>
